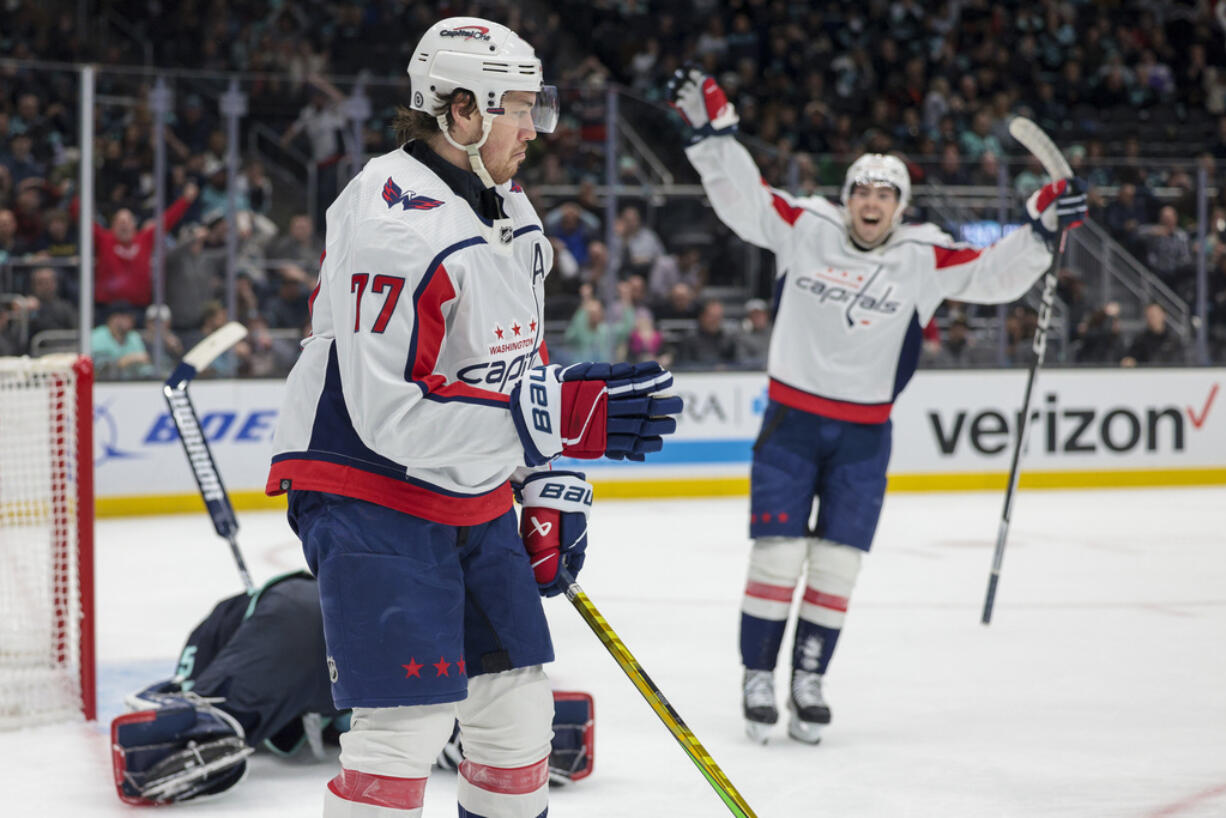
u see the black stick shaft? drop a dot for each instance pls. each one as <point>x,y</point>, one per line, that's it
<point>1040,351</point>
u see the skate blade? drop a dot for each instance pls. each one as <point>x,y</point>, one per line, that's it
<point>806,731</point>
<point>758,731</point>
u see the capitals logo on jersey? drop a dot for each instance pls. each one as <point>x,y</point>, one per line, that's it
<point>850,293</point>
<point>393,195</point>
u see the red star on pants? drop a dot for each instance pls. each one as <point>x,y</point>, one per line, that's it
<point>515,328</point>
<point>441,666</point>
<point>412,668</point>
<point>460,664</point>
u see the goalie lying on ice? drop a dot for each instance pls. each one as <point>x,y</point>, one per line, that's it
<point>254,674</point>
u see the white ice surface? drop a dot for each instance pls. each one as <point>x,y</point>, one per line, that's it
<point>1098,691</point>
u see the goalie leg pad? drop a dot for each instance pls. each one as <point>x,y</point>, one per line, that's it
<point>183,749</point>
<point>506,726</point>
<point>574,737</point>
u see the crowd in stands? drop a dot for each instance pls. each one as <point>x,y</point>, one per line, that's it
<point>815,84</point>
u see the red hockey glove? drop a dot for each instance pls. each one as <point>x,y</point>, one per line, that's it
<point>553,525</point>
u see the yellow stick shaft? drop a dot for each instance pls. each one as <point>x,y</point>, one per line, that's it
<point>630,666</point>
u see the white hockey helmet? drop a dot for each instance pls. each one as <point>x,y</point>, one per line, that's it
<point>485,58</point>
<point>880,169</point>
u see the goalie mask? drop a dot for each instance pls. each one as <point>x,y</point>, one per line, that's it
<point>880,169</point>
<point>486,59</point>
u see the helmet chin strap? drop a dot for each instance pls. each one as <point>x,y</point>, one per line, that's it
<point>473,150</point>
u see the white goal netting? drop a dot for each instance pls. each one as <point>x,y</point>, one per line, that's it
<point>46,524</point>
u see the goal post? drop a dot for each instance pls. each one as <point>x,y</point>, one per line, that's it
<point>47,661</point>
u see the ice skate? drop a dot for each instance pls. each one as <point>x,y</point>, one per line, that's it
<point>758,703</point>
<point>810,714</point>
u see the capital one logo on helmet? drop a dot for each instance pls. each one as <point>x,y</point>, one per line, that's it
<point>467,32</point>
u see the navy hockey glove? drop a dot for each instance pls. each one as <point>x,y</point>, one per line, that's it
<point>702,103</point>
<point>1056,207</point>
<point>553,525</point>
<point>592,410</point>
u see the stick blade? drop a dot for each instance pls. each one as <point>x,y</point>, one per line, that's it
<point>1033,139</point>
<point>205,352</point>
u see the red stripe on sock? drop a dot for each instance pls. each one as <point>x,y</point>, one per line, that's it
<point>506,780</point>
<point>379,790</point>
<point>834,603</point>
<point>775,593</point>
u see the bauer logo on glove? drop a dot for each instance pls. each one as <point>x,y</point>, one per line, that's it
<point>553,525</point>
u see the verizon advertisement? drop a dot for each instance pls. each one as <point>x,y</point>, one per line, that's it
<point>1080,420</point>
<point>945,423</point>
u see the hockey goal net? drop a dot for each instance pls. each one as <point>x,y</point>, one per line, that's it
<point>46,540</point>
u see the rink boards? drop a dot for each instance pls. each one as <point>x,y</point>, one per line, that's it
<point>952,431</point>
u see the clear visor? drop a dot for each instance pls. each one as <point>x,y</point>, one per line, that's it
<point>542,113</point>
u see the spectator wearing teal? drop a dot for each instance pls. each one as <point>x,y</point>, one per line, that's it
<point>979,139</point>
<point>590,338</point>
<point>117,347</point>
<point>214,194</point>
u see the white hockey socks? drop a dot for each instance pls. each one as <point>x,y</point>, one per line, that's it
<point>385,760</point>
<point>506,728</point>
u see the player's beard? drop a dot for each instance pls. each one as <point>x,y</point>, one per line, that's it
<point>503,169</point>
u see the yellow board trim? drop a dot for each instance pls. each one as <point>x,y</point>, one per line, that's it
<point>181,504</point>
<point>681,487</point>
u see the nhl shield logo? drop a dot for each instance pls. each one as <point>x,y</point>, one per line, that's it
<point>332,674</point>
<point>505,234</point>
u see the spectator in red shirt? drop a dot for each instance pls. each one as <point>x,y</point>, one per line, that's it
<point>124,255</point>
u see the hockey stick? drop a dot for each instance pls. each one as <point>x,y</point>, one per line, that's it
<point>1032,138</point>
<point>647,688</point>
<point>196,446</point>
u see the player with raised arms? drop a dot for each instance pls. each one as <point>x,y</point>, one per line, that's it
<point>854,288</point>
<point>423,391</point>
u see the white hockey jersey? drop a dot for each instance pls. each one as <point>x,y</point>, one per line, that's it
<point>849,321</point>
<point>425,316</point>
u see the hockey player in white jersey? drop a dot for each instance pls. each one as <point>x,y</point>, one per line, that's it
<point>423,390</point>
<point>854,288</point>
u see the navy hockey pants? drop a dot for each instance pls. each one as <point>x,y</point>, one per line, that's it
<point>412,608</point>
<point>799,456</point>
